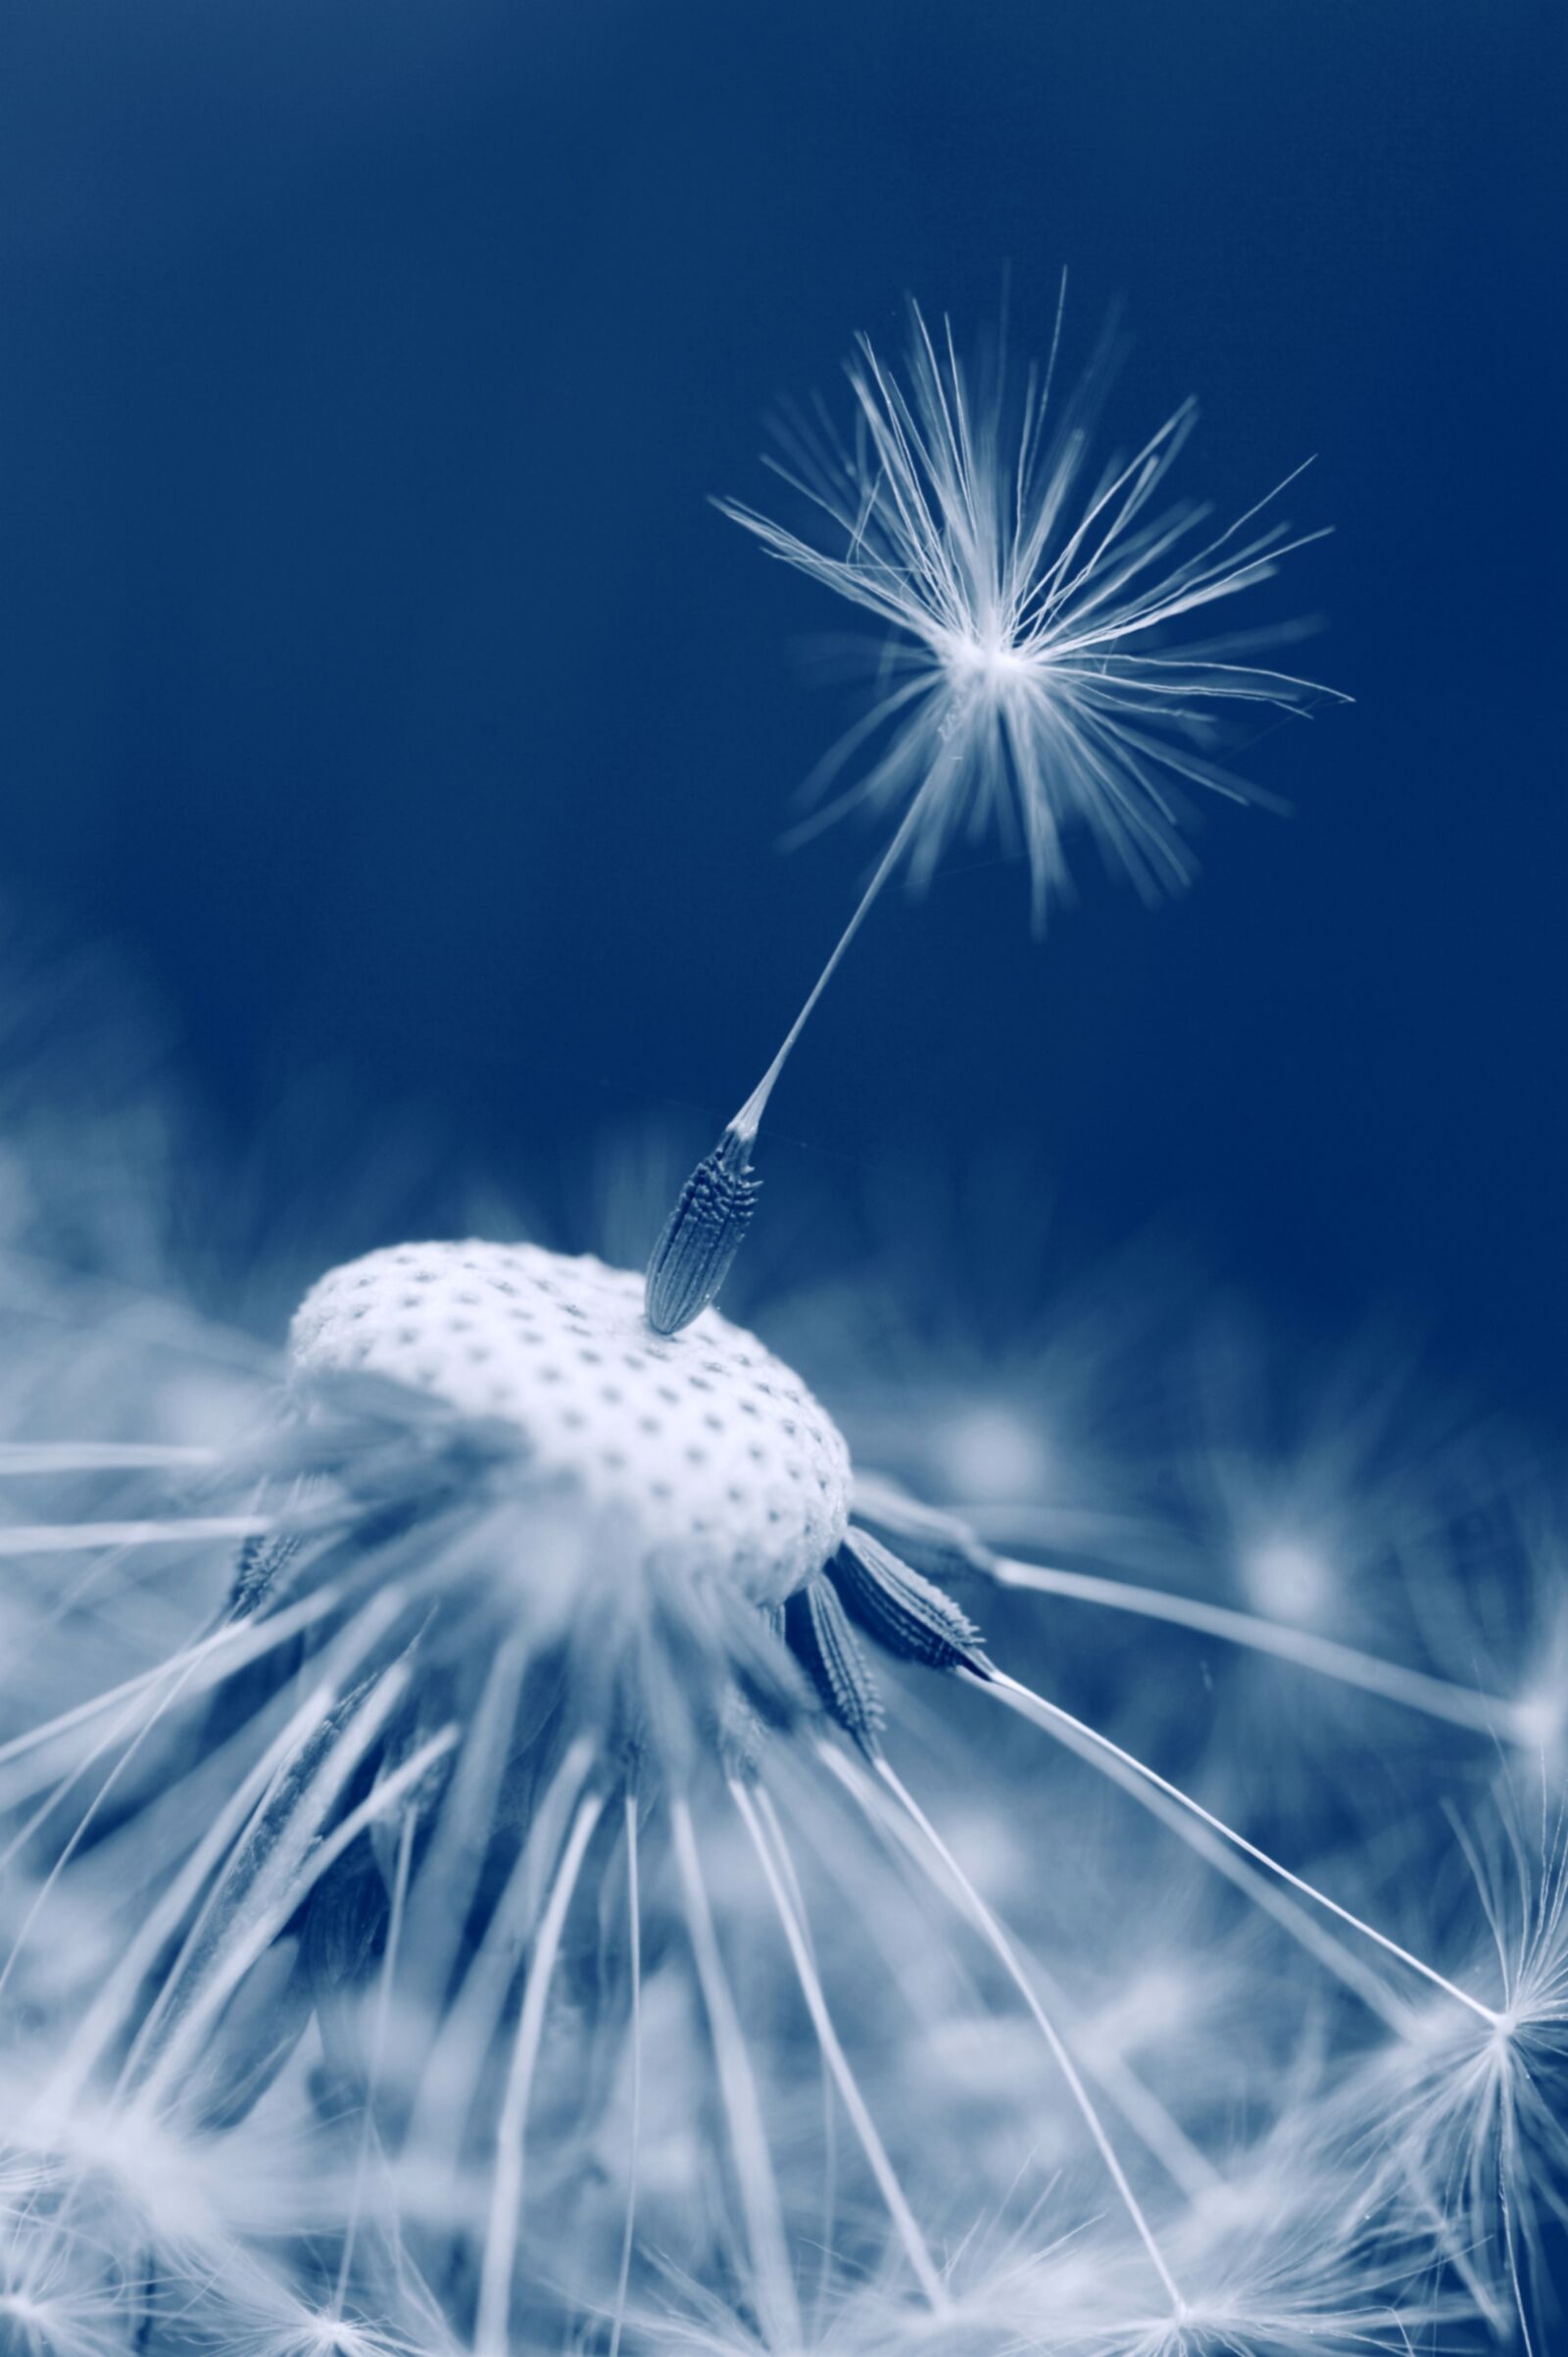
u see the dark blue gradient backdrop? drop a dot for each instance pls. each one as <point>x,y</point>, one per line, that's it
<point>377,676</point>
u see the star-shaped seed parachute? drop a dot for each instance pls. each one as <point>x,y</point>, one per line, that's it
<point>1034,683</point>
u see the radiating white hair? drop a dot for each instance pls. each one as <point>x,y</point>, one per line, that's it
<point>1031,682</point>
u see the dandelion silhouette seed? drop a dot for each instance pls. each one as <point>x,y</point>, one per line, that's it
<point>1030,686</point>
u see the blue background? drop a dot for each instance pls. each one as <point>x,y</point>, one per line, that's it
<point>377,676</point>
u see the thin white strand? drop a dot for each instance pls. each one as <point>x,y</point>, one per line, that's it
<point>455,2063</point>
<point>1269,1897</point>
<point>232,1647</point>
<point>746,1123</point>
<point>108,2008</point>
<point>197,1990</point>
<point>491,2335</point>
<point>73,1537</point>
<point>763,1801</point>
<point>991,1932</point>
<point>892,2192</point>
<point>342,1661</point>
<point>1053,1718</point>
<point>1438,1698</point>
<point>440,1905</point>
<point>79,1834</point>
<point>634,1928</point>
<point>1187,2167</point>
<point>778,2310</point>
<point>380,2024</point>
<point>100,1456</point>
<point>263,1929</point>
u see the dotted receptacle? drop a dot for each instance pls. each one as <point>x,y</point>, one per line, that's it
<point>701,1442</point>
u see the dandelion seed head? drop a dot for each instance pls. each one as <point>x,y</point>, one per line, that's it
<point>326,2336</point>
<point>58,2328</point>
<point>1031,686</point>
<point>703,1445</point>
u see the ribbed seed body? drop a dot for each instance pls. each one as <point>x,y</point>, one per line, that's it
<point>702,1237</point>
<point>909,1614</point>
<point>826,1647</point>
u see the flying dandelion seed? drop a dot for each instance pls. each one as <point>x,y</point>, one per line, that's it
<point>512,1836</point>
<point>1030,686</point>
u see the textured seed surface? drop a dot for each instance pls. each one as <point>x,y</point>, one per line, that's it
<point>907,1613</point>
<point>709,1448</point>
<point>700,1238</point>
<point>826,1647</point>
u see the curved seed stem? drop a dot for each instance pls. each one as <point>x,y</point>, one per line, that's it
<point>78,1834</point>
<point>1187,2167</point>
<point>892,2192</point>
<point>219,1653</point>
<point>454,2064</point>
<point>778,2310</point>
<point>73,1537</point>
<point>770,1815</point>
<point>99,1456</point>
<point>1439,1697</point>
<point>635,1930</point>
<point>112,1999</point>
<point>263,1928</point>
<point>377,2054</point>
<point>749,1119</point>
<point>990,1930</point>
<point>491,2336</point>
<point>1058,1721</point>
